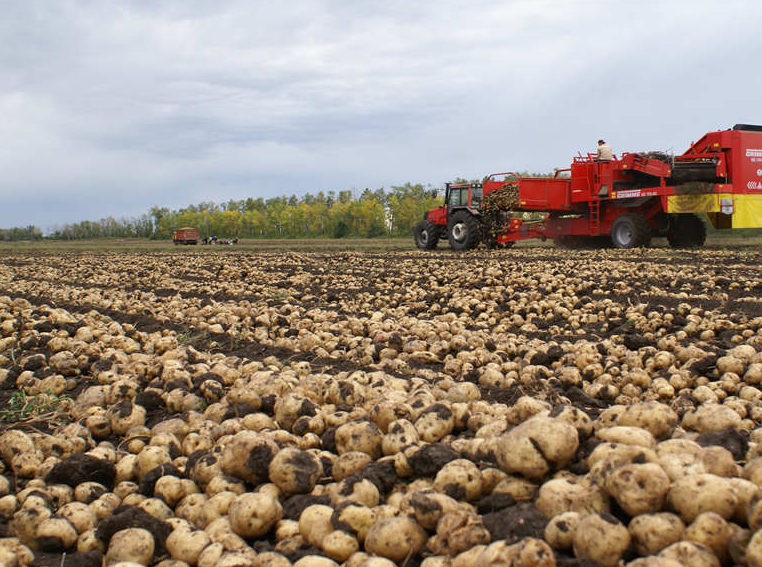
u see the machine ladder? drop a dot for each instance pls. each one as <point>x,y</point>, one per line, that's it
<point>595,217</point>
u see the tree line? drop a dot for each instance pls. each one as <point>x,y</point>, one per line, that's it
<point>21,233</point>
<point>366,214</point>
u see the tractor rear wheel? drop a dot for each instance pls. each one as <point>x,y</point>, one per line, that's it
<point>630,231</point>
<point>463,231</point>
<point>426,235</point>
<point>686,231</point>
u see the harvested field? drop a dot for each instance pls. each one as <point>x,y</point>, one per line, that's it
<point>531,407</point>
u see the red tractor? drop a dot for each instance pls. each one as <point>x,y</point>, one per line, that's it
<point>623,202</point>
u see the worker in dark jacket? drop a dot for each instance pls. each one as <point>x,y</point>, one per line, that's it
<point>604,152</point>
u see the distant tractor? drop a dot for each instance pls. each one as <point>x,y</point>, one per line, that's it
<point>185,235</point>
<point>622,202</point>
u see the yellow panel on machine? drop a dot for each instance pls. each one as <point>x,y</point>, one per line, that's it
<point>746,210</point>
<point>703,203</point>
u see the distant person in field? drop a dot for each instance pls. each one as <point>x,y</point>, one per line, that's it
<point>604,152</point>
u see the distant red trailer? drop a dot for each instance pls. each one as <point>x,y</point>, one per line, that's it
<point>186,235</point>
<point>622,202</point>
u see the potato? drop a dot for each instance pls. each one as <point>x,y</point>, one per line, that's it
<point>25,522</point>
<point>530,552</point>
<point>400,434</point>
<point>56,534</point>
<point>690,553</point>
<point>711,530</point>
<point>187,545</point>
<point>131,544</point>
<point>87,541</point>
<point>395,538</point>
<point>359,436</point>
<point>574,416</point>
<point>627,436</point>
<point>353,518</point>
<point>428,507</point>
<point>711,417</point>
<point>79,515</point>
<point>247,456</point>
<point>170,489</point>
<point>350,463</point>
<point>693,494</point>
<point>560,495</point>
<point>360,491</point>
<point>460,479</point>
<point>435,422</point>
<point>517,487</point>
<point>157,508</point>
<point>601,538</point>
<point>15,554</point>
<point>315,523</point>
<point>315,561</point>
<point>295,471</point>
<point>651,533</point>
<point>268,559</point>
<point>253,514</point>
<point>560,529</point>
<point>8,506</point>
<point>339,545</point>
<point>193,508</point>
<point>124,416</point>
<point>537,446</point>
<point>654,562</point>
<point>638,488</point>
<point>657,418</point>
<point>211,555</point>
<point>458,531</point>
<point>468,558</point>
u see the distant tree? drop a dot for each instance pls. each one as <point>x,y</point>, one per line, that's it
<point>341,229</point>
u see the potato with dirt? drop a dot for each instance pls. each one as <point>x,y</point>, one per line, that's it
<point>395,538</point>
<point>537,446</point>
<point>602,538</point>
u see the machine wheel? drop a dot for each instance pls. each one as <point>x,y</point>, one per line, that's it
<point>630,231</point>
<point>568,241</point>
<point>463,231</point>
<point>426,235</point>
<point>686,231</point>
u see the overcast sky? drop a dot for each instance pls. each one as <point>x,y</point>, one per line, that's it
<point>108,107</point>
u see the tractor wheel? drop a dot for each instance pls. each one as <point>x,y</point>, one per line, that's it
<point>463,231</point>
<point>686,231</point>
<point>426,235</point>
<point>630,231</point>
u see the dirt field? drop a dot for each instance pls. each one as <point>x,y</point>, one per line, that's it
<point>374,335</point>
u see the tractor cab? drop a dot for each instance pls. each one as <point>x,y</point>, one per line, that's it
<point>458,196</point>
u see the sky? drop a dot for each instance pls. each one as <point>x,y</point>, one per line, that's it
<point>111,107</point>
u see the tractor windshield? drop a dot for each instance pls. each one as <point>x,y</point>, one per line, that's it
<point>476,196</point>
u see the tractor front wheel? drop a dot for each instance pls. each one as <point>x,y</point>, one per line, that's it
<point>463,231</point>
<point>686,231</point>
<point>426,235</point>
<point>630,231</point>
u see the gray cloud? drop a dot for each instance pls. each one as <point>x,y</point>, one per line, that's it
<point>108,108</point>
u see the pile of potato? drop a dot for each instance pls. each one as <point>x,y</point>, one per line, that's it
<point>536,408</point>
<point>504,199</point>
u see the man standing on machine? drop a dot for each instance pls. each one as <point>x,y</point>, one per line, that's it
<point>604,152</point>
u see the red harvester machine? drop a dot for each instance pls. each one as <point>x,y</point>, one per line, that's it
<point>623,202</point>
<point>185,235</point>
